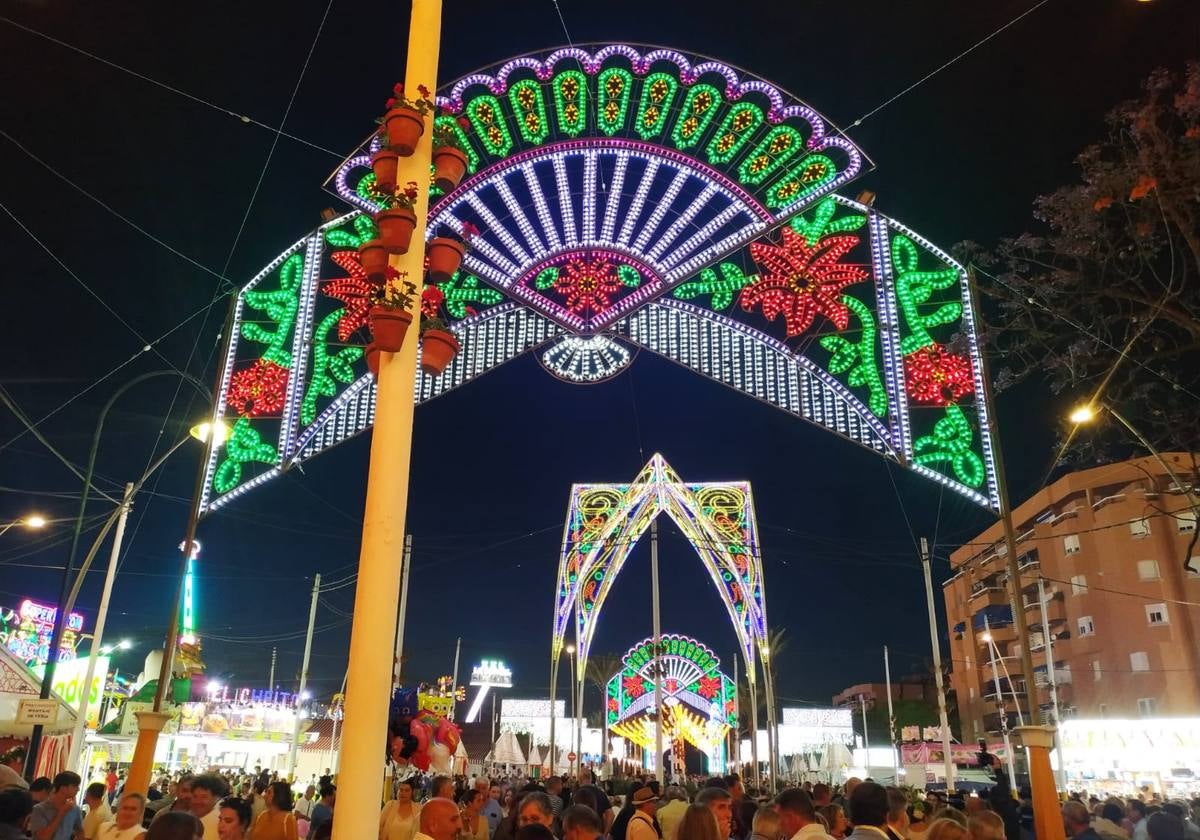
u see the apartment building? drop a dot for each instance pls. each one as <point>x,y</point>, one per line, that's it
<point>1108,545</point>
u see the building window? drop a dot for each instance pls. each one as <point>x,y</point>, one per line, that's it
<point>1071,543</point>
<point>1146,706</point>
<point>1185,520</point>
<point>1078,584</point>
<point>1086,627</point>
<point>1139,661</point>
<point>1140,527</point>
<point>1148,570</point>
<point>1157,614</point>
<point>1097,671</point>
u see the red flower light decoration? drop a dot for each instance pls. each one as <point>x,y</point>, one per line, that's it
<point>588,285</point>
<point>800,281</point>
<point>613,705</point>
<point>634,686</point>
<point>936,377</point>
<point>709,686</point>
<point>258,390</point>
<point>354,291</point>
<point>432,299</point>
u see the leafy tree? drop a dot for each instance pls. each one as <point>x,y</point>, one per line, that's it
<point>1101,298</point>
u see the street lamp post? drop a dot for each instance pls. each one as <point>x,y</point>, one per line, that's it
<point>61,614</point>
<point>993,655</point>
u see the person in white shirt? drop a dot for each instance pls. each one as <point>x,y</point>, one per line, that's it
<point>798,817</point>
<point>128,823</point>
<point>98,812</point>
<point>206,790</point>
<point>304,805</point>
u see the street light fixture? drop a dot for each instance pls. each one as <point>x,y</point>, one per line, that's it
<point>33,522</point>
<point>201,432</point>
<point>1082,414</point>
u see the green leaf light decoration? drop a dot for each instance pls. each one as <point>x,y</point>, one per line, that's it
<point>951,441</point>
<point>245,445</point>
<point>857,359</point>
<point>279,306</point>
<point>914,288</point>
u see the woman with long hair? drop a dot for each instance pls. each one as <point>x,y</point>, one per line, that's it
<point>401,816</point>
<point>698,823</point>
<point>835,818</point>
<point>277,822</point>
<point>475,824</point>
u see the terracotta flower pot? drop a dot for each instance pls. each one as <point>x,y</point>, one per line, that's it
<point>396,229</point>
<point>438,348</point>
<point>384,163</point>
<point>445,256</point>
<point>404,127</point>
<point>374,258</point>
<point>388,326</point>
<point>450,165</point>
<point>372,354</point>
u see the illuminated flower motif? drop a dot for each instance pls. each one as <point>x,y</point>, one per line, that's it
<point>258,390</point>
<point>801,282</point>
<point>671,685</point>
<point>936,377</point>
<point>1102,203</point>
<point>354,291</point>
<point>588,285</point>
<point>709,686</point>
<point>1142,188</point>
<point>730,707</point>
<point>634,686</point>
<point>432,299</point>
<point>613,705</point>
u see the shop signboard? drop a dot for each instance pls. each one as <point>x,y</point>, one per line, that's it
<point>237,721</point>
<point>68,684</point>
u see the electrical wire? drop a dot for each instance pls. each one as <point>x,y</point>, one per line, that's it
<point>939,69</point>
<point>85,286</point>
<point>106,376</point>
<point>111,209</point>
<point>142,76</point>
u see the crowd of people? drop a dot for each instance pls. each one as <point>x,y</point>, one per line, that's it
<point>260,806</point>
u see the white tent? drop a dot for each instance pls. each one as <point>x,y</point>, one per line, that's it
<point>461,759</point>
<point>535,756</point>
<point>507,751</point>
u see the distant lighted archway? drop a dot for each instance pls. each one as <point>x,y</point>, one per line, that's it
<point>605,522</point>
<point>700,701</point>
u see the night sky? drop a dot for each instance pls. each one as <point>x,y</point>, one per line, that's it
<point>960,157</point>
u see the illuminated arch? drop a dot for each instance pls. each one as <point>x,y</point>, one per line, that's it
<point>604,523</point>
<point>700,699</point>
<point>703,200</point>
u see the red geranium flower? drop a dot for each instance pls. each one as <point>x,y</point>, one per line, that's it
<point>634,686</point>
<point>709,686</point>
<point>936,377</point>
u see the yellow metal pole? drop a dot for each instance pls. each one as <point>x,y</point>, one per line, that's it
<point>369,680</point>
<point>1047,816</point>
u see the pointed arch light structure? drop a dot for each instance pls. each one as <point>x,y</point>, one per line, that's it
<point>604,523</point>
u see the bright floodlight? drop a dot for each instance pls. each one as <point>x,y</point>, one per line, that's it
<point>35,521</point>
<point>124,644</point>
<point>1083,414</point>
<point>570,648</point>
<point>201,430</point>
<point>987,637</point>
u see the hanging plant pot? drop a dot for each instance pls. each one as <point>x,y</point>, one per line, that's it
<point>372,353</point>
<point>384,164</point>
<point>445,256</point>
<point>404,127</point>
<point>396,228</point>
<point>450,164</point>
<point>374,258</point>
<point>388,326</point>
<point>438,348</point>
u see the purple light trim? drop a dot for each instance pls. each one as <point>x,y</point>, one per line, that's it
<point>348,192</point>
<point>689,74</point>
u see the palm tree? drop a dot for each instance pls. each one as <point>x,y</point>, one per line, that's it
<point>599,670</point>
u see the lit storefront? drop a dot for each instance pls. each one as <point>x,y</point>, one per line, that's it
<point>1122,756</point>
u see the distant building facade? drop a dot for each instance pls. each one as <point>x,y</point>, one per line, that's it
<point>1109,545</point>
<point>916,687</point>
